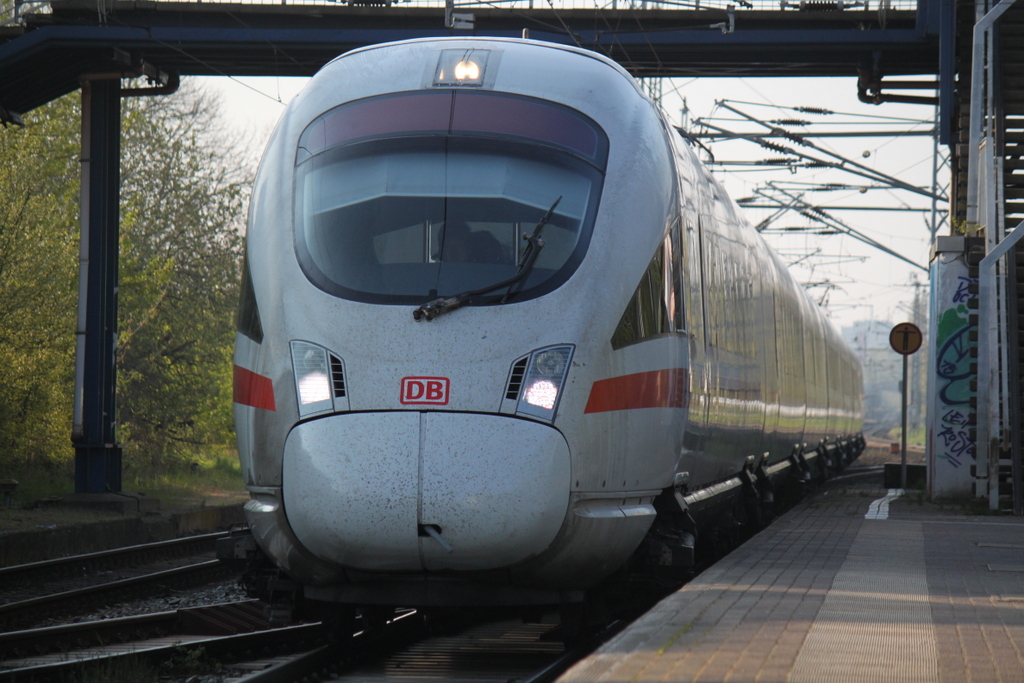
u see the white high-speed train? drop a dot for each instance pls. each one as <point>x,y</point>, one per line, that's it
<point>501,332</point>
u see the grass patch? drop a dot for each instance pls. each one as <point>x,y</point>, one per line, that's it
<point>34,486</point>
<point>915,437</point>
<point>211,477</point>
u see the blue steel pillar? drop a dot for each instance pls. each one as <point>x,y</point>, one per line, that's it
<point>97,455</point>
<point>947,70</point>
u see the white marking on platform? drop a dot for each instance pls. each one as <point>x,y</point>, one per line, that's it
<point>880,508</point>
<point>875,624</point>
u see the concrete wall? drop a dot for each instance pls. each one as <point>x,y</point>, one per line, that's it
<point>950,450</point>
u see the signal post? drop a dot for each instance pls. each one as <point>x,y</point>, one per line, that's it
<point>905,339</point>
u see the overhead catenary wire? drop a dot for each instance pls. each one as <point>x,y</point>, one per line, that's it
<point>797,203</point>
<point>828,112</point>
<point>838,161</point>
<point>803,141</point>
<point>781,206</point>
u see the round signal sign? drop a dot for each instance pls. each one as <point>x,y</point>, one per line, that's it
<point>905,338</point>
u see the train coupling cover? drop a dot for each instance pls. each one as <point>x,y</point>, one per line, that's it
<point>239,546</point>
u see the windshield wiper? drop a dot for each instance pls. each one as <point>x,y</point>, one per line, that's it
<point>442,305</point>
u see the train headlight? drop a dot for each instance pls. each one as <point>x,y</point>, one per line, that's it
<point>550,362</point>
<point>312,378</point>
<point>542,386</point>
<point>542,394</point>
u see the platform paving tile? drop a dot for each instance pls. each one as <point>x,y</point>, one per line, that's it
<point>824,595</point>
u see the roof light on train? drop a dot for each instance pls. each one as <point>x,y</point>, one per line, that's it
<point>461,68</point>
<point>467,70</point>
<point>545,375</point>
<point>312,378</point>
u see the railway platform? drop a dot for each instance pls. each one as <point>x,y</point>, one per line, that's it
<point>855,585</point>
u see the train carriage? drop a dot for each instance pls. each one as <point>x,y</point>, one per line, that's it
<point>496,320</point>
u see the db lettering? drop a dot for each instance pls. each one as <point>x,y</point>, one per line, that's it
<point>425,390</point>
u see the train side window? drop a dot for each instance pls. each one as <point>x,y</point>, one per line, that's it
<point>652,311</point>
<point>248,314</point>
<point>628,330</point>
<point>650,308</point>
<point>674,285</point>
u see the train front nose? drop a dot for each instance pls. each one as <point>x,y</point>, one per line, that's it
<point>365,490</point>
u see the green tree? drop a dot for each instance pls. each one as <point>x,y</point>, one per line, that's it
<point>181,216</point>
<point>39,176</point>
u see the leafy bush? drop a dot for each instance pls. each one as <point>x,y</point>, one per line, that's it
<point>182,203</point>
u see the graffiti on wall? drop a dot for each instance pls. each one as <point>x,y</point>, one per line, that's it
<point>953,371</point>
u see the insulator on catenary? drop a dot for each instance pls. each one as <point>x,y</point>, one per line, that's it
<point>774,146</point>
<point>777,162</point>
<point>815,110</point>
<point>790,122</point>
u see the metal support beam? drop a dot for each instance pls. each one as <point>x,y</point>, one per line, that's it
<point>987,380</point>
<point>947,70</point>
<point>981,124</point>
<point>984,209</point>
<point>1013,366</point>
<point>97,454</point>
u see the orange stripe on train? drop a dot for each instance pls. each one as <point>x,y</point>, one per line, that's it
<point>655,389</point>
<point>253,390</point>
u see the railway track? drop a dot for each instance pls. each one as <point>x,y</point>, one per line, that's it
<point>223,619</point>
<point>855,472</point>
<point>876,442</point>
<point>32,593</point>
<point>204,636</point>
<point>228,630</point>
<point>491,652</point>
<point>237,642</point>
<point>16,576</point>
<point>226,638</point>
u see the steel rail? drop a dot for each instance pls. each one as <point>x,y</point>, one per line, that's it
<point>211,646</point>
<point>229,618</point>
<point>313,663</point>
<point>13,611</point>
<point>38,641</point>
<point>33,568</point>
<point>400,632</point>
<point>556,668</point>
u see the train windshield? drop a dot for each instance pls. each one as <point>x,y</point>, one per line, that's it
<point>406,219</point>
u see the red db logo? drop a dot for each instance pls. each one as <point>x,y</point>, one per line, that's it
<point>425,390</point>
